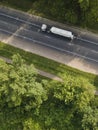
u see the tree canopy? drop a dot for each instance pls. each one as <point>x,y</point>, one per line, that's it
<point>28,103</point>
<point>19,86</point>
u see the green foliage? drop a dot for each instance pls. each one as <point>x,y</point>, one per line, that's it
<point>90,119</point>
<point>10,119</point>
<point>46,64</point>
<point>92,14</point>
<point>30,124</point>
<point>71,17</point>
<point>84,4</point>
<point>78,12</point>
<point>27,104</point>
<point>77,91</point>
<point>19,86</point>
<point>55,115</point>
<point>66,105</point>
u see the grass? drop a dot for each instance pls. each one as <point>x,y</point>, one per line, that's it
<point>45,64</point>
<point>41,63</point>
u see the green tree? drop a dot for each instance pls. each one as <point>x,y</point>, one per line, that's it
<point>19,86</point>
<point>66,103</point>
<point>21,94</point>
<point>30,124</point>
<point>90,119</point>
<point>76,91</point>
<point>27,103</point>
<point>84,4</point>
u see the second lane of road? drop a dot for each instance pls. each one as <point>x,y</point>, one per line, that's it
<point>19,27</point>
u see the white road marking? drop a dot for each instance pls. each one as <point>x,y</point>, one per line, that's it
<point>94,51</point>
<point>85,40</point>
<point>62,50</point>
<point>24,28</point>
<point>47,36</point>
<point>70,44</point>
<point>18,19</point>
<point>18,27</point>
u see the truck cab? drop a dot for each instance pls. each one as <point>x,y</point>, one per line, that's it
<point>44,27</point>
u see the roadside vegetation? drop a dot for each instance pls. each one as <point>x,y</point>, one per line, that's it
<point>82,13</point>
<point>47,65</point>
<point>32,102</point>
<point>29,104</point>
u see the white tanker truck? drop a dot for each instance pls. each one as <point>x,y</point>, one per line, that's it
<point>58,31</point>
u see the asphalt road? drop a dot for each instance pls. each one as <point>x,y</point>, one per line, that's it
<point>25,27</point>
